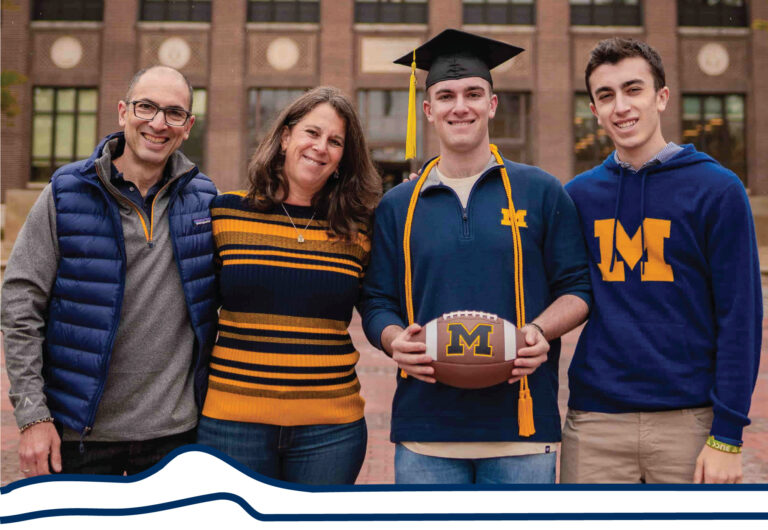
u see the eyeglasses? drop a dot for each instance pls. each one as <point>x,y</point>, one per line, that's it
<point>146,110</point>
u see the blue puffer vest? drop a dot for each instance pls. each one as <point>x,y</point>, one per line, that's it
<point>85,305</point>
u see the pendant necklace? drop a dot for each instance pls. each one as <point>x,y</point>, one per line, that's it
<point>300,237</point>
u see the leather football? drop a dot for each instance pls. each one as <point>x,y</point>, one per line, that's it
<point>471,349</point>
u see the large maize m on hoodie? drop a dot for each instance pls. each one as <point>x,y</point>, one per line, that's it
<point>677,310</point>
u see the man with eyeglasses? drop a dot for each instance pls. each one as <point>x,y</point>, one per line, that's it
<point>109,298</point>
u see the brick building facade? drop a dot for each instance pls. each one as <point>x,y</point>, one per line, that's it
<point>247,58</point>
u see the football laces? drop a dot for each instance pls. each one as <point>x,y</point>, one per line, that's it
<point>470,314</point>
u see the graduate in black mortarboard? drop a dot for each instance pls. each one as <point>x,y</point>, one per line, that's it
<point>453,55</point>
<point>453,240</point>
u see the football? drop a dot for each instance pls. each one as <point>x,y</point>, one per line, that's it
<point>471,349</point>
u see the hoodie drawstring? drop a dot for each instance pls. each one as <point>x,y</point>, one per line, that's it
<point>614,251</point>
<point>643,254</point>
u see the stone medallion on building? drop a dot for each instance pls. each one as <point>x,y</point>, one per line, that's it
<point>283,53</point>
<point>174,52</point>
<point>66,52</point>
<point>713,59</point>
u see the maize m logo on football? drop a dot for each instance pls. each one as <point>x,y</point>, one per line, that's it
<point>478,341</point>
<point>631,250</point>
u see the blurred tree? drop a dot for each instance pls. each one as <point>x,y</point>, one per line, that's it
<point>8,105</point>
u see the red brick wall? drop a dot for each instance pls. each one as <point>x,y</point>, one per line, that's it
<point>119,56</point>
<point>225,153</point>
<point>553,96</point>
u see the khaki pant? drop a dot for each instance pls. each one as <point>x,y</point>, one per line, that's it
<point>637,447</point>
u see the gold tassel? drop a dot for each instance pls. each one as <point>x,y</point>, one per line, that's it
<point>525,409</point>
<point>410,137</point>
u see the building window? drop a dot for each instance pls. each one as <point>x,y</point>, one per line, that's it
<point>283,11</point>
<point>63,127</point>
<point>194,146</point>
<point>499,12</point>
<point>715,124</point>
<point>606,13</point>
<point>67,10</point>
<point>591,144</point>
<point>264,106</point>
<point>176,10</point>
<point>384,114</point>
<point>712,13</point>
<point>391,11</point>
<point>510,128</point>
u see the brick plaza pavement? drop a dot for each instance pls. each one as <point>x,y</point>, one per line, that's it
<point>376,373</point>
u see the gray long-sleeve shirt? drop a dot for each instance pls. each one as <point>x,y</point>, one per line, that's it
<point>149,390</point>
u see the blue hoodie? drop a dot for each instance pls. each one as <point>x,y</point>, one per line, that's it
<point>677,315</point>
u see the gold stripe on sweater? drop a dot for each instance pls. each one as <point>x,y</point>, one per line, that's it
<point>358,249</point>
<point>284,322</point>
<point>289,265</point>
<point>288,232</point>
<point>259,216</point>
<point>285,359</point>
<point>283,376</point>
<point>278,217</point>
<point>251,252</point>
<point>321,387</point>
<point>282,394</point>
<point>285,340</point>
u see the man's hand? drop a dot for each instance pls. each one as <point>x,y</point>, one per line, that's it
<point>37,444</point>
<point>408,355</point>
<point>717,467</point>
<point>532,356</point>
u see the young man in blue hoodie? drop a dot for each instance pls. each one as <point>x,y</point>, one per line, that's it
<point>663,374</point>
<point>454,240</point>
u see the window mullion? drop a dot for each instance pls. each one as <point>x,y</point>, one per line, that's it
<point>54,125</point>
<point>75,124</point>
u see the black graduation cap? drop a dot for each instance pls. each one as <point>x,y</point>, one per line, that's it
<point>455,54</point>
<point>452,54</point>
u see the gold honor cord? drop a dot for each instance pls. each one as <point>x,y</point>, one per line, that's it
<point>525,402</point>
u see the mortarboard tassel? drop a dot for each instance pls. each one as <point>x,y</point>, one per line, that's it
<point>410,138</point>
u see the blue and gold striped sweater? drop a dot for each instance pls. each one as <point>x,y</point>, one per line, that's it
<point>283,354</point>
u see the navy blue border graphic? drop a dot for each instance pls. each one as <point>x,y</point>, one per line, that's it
<point>226,496</point>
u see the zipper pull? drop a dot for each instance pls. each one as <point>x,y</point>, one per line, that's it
<point>85,433</point>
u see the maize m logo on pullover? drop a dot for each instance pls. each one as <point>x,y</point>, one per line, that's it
<point>506,217</point>
<point>631,250</point>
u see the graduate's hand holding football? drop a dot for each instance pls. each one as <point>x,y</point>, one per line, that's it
<point>409,355</point>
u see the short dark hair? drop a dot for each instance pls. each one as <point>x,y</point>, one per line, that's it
<point>137,76</point>
<point>347,201</point>
<point>613,50</point>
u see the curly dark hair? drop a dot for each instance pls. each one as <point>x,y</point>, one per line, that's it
<point>347,201</point>
<point>613,50</point>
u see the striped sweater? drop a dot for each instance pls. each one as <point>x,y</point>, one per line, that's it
<point>283,354</point>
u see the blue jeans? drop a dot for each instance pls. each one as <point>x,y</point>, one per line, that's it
<point>413,468</point>
<point>306,454</point>
<point>116,458</point>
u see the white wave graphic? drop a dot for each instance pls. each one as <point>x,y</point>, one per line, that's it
<point>196,485</point>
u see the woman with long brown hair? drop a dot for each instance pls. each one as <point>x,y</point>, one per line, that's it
<point>283,396</point>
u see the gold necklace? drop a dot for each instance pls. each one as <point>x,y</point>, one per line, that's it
<point>300,237</point>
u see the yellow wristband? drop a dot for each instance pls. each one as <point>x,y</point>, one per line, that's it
<point>722,446</point>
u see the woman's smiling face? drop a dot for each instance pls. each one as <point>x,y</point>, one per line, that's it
<point>313,149</point>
